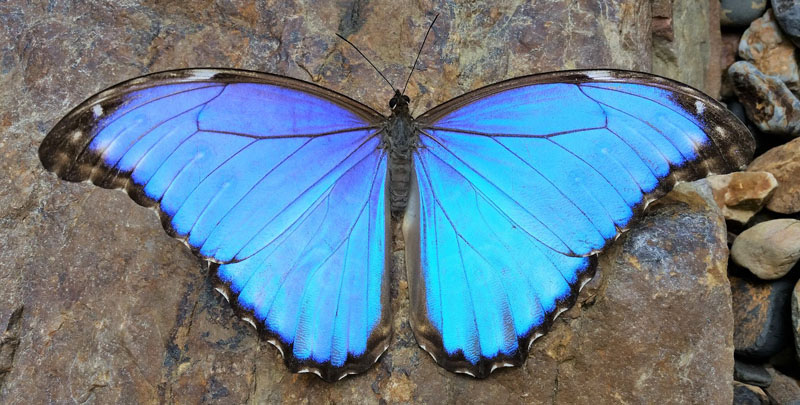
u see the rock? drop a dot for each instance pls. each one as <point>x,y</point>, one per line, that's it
<point>647,266</point>
<point>784,163</point>
<point>117,312</point>
<point>760,313</point>
<point>770,249</point>
<point>768,102</point>
<point>744,394</point>
<point>787,12</point>
<point>751,374</point>
<point>729,52</point>
<point>796,318</point>
<point>741,194</point>
<point>740,13</point>
<point>682,36</point>
<point>784,389</point>
<point>764,44</point>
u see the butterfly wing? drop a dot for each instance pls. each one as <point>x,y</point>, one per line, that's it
<point>520,184</point>
<point>279,183</point>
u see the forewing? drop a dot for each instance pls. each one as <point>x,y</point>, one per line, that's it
<point>521,183</point>
<point>277,181</point>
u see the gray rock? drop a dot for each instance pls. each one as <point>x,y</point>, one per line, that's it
<point>740,13</point>
<point>745,394</point>
<point>760,311</point>
<point>765,45</point>
<point>753,374</point>
<point>770,249</point>
<point>768,102</point>
<point>787,12</point>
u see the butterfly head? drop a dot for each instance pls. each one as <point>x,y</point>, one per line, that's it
<point>399,103</point>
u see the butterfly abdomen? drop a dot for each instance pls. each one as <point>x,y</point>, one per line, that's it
<point>400,140</point>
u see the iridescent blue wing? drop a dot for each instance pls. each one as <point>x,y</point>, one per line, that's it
<point>520,185</point>
<point>278,182</point>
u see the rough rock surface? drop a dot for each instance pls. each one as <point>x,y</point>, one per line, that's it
<point>784,163</point>
<point>767,100</point>
<point>742,194</point>
<point>764,44</point>
<point>784,389</point>
<point>117,312</point>
<point>686,43</point>
<point>770,249</point>
<point>760,313</point>
<point>745,394</point>
<point>787,12</point>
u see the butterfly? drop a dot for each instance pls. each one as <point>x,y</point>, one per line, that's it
<point>506,195</point>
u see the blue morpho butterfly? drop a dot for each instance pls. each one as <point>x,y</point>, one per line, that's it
<point>507,195</point>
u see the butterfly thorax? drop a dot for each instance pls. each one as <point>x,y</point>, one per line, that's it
<point>400,139</point>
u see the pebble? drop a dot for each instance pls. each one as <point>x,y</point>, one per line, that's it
<point>787,12</point>
<point>745,394</point>
<point>740,13</point>
<point>760,310</point>
<point>770,249</point>
<point>784,163</point>
<point>753,374</point>
<point>765,45</point>
<point>741,194</point>
<point>768,102</point>
<point>784,389</point>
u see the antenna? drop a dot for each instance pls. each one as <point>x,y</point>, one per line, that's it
<point>419,53</point>
<point>368,61</point>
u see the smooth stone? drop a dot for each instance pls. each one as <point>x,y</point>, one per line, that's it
<point>740,13</point>
<point>770,249</point>
<point>749,373</point>
<point>784,389</point>
<point>784,163</point>
<point>765,45</point>
<point>760,311</point>
<point>796,318</point>
<point>768,102</point>
<point>745,394</point>
<point>742,194</point>
<point>787,12</point>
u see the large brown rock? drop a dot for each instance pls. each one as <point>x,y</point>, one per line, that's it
<point>117,312</point>
<point>784,163</point>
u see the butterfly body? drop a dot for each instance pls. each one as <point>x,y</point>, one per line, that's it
<point>289,189</point>
<point>400,140</point>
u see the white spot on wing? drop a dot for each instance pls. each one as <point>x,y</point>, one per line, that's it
<point>599,74</point>
<point>223,293</point>
<point>699,107</point>
<point>203,74</point>
<point>97,110</point>
<point>250,321</point>
<point>76,136</point>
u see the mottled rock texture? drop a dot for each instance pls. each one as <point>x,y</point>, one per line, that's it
<point>765,45</point>
<point>745,394</point>
<point>761,316</point>
<point>784,163</point>
<point>739,13</point>
<point>741,194</point>
<point>117,312</point>
<point>784,389</point>
<point>686,42</point>
<point>768,102</point>
<point>787,12</point>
